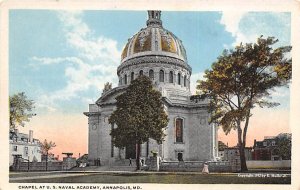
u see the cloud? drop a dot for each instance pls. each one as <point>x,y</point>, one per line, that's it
<point>281,95</point>
<point>80,37</point>
<point>248,26</point>
<point>193,81</point>
<point>231,21</point>
<point>56,60</point>
<point>95,62</point>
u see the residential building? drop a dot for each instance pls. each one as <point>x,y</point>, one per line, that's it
<point>267,148</point>
<point>24,146</point>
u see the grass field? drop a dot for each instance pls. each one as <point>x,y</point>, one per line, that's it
<point>170,178</point>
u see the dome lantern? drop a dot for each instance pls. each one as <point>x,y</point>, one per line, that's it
<point>154,18</point>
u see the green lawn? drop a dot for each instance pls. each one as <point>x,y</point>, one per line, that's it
<point>31,174</point>
<point>161,178</point>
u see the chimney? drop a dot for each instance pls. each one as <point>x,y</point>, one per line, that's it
<point>31,136</point>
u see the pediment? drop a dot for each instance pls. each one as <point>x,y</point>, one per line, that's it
<point>109,97</point>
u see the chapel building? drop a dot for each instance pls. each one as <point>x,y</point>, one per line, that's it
<point>158,53</point>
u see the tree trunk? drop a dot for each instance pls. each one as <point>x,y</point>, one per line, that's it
<point>243,158</point>
<point>241,146</point>
<point>47,162</point>
<point>138,153</point>
<point>242,149</point>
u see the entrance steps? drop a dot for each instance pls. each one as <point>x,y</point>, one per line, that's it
<point>116,165</point>
<point>122,165</point>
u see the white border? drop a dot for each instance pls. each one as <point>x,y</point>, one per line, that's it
<point>292,6</point>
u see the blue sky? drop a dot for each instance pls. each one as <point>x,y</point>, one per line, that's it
<point>61,59</point>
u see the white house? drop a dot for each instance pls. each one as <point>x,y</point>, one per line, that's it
<point>24,146</point>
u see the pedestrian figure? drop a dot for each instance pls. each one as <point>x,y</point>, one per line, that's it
<point>130,162</point>
<point>98,162</point>
<point>205,168</point>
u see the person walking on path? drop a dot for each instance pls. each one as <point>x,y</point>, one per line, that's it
<point>130,162</point>
<point>205,168</point>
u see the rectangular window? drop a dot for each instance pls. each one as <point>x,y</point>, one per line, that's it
<point>15,148</point>
<point>179,130</point>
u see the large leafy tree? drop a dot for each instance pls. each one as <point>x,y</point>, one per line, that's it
<point>45,148</point>
<point>139,116</point>
<point>20,110</point>
<point>284,146</point>
<point>242,79</point>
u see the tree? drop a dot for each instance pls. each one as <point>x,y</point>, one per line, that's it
<point>20,110</point>
<point>284,145</point>
<point>139,116</point>
<point>242,79</point>
<point>45,148</point>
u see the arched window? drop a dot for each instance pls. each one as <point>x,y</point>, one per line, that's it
<point>151,74</point>
<point>184,81</point>
<point>125,79</point>
<point>161,76</point>
<point>141,72</point>
<point>179,79</point>
<point>171,77</point>
<point>156,45</point>
<point>132,76</point>
<point>179,130</point>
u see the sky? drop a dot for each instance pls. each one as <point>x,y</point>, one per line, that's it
<point>61,60</point>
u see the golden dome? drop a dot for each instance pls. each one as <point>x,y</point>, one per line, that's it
<point>154,40</point>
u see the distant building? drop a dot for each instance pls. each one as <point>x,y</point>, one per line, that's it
<point>267,148</point>
<point>221,147</point>
<point>24,146</point>
<point>232,154</point>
